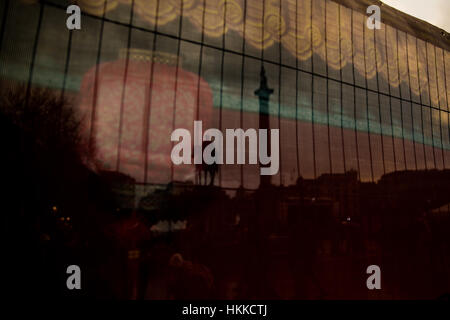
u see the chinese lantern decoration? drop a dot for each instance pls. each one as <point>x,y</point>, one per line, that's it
<point>129,112</point>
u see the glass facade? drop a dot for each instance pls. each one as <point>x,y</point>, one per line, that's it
<point>363,118</point>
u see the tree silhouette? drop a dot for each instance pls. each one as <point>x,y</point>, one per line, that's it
<point>53,200</point>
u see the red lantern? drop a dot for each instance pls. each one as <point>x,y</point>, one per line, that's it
<point>133,110</point>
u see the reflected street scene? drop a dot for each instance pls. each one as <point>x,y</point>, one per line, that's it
<point>223,150</point>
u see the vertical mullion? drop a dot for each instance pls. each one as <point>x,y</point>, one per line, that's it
<point>448,106</point>
<point>200,60</point>
<point>66,71</point>
<point>422,107</point>
<point>327,89</point>
<point>367,100</point>
<point>401,101</point>
<point>222,66</point>
<point>390,98</point>
<point>440,108</point>
<point>3,26</point>
<point>95,93</point>
<point>241,116</point>
<point>197,117</point>
<point>340,87</point>
<point>312,95</point>
<point>33,57</point>
<point>180,27</point>
<point>66,66</point>
<point>125,78</point>
<point>296,89</point>
<point>148,97</point>
<point>354,96</point>
<point>378,96</point>
<point>279,95</point>
<point>411,102</point>
<point>262,31</point>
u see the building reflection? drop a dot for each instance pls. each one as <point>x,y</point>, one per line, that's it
<point>310,240</point>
